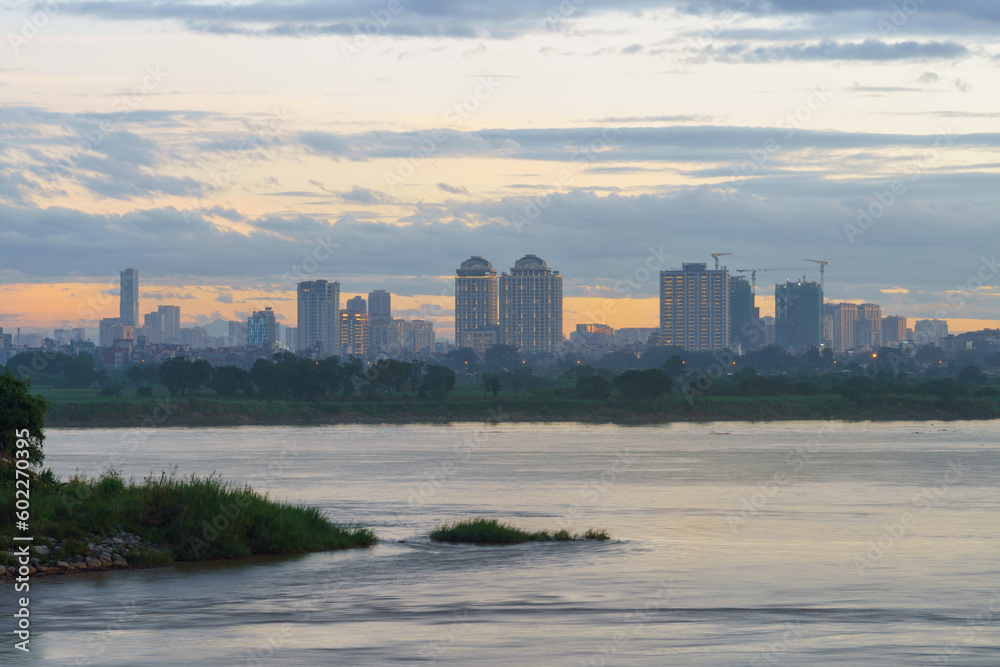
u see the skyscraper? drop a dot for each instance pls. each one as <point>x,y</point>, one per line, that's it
<point>355,332</point>
<point>868,328</point>
<point>742,314</point>
<point>152,327</point>
<point>531,312</point>
<point>379,304</point>
<point>356,305</point>
<point>262,329</point>
<point>893,330</point>
<point>929,332</point>
<point>319,317</point>
<point>694,307</point>
<point>476,302</point>
<point>128,307</point>
<point>798,315</point>
<point>843,316</point>
<point>171,323</point>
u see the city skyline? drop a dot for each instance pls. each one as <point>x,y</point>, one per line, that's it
<point>607,137</point>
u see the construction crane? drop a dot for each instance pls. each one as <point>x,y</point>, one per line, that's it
<point>822,265</point>
<point>717,255</point>
<point>753,274</point>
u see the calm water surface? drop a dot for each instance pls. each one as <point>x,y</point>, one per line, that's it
<point>800,543</point>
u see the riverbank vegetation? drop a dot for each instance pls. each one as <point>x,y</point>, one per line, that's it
<point>492,531</point>
<point>659,385</point>
<point>184,518</point>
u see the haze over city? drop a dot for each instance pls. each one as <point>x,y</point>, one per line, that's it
<point>236,140</point>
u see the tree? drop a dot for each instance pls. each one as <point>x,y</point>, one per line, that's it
<point>971,375</point>
<point>594,387</point>
<point>491,383</point>
<point>437,377</point>
<point>649,383</point>
<point>503,357</point>
<point>230,381</point>
<point>20,412</point>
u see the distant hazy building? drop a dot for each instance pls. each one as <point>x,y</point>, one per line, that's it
<point>596,334</point>
<point>128,307</point>
<point>743,314</point>
<point>171,323</point>
<point>868,328</point>
<point>379,304</point>
<point>111,329</point>
<point>152,327</point>
<point>238,334</point>
<point>929,332</point>
<point>633,336</point>
<point>418,336</point>
<point>798,315</point>
<point>355,333</point>
<point>694,307</point>
<point>843,317</point>
<point>356,305</point>
<point>386,335</point>
<point>318,329</point>
<point>893,330</point>
<point>262,329</point>
<point>531,306</point>
<point>79,334</point>
<point>477,318</point>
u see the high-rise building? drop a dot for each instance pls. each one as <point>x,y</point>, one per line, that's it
<point>843,317</point>
<point>798,315</point>
<point>929,332</point>
<point>531,312</point>
<point>356,305</point>
<point>476,303</point>
<point>262,329</point>
<point>893,330</point>
<point>171,323</point>
<point>742,314</point>
<point>418,336</point>
<point>238,334</point>
<point>128,307</point>
<point>386,334</point>
<point>111,329</point>
<point>152,327</point>
<point>694,307</point>
<point>319,317</point>
<point>379,304</point>
<point>868,328</point>
<point>355,332</point>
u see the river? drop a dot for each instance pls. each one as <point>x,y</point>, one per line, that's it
<point>794,543</point>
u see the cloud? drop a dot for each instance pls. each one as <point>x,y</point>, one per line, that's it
<point>895,290</point>
<point>868,50</point>
<point>224,298</point>
<point>452,189</point>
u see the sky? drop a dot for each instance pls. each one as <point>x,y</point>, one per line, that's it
<point>229,150</point>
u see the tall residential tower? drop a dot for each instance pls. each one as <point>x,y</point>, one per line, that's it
<point>476,304</point>
<point>694,307</point>
<point>318,325</point>
<point>531,313</point>
<point>128,308</point>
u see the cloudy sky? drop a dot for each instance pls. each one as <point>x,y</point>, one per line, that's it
<point>228,150</point>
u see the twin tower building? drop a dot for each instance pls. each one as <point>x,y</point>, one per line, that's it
<point>523,308</point>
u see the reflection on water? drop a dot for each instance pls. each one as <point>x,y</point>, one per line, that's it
<point>800,543</point>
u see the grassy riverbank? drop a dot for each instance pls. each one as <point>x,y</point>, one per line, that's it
<point>81,408</point>
<point>183,519</point>
<point>491,531</point>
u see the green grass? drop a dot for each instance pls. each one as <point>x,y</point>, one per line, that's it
<point>192,518</point>
<point>491,531</point>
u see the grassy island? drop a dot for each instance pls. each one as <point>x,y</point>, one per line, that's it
<point>85,523</point>
<point>491,531</point>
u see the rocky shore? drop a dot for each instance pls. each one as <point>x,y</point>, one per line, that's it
<point>50,558</point>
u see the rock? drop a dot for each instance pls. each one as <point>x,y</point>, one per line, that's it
<point>118,540</point>
<point>81,565</point>
<point>78,559</point>
<point>63,565</point>
<point>41,550</point>
<point>119,561</point>
<point>106,561</point>
<point>93,564</point>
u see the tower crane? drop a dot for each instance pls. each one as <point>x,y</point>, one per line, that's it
<point>717,255</point>
<point>753,274</point>
<point>822,265</point>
